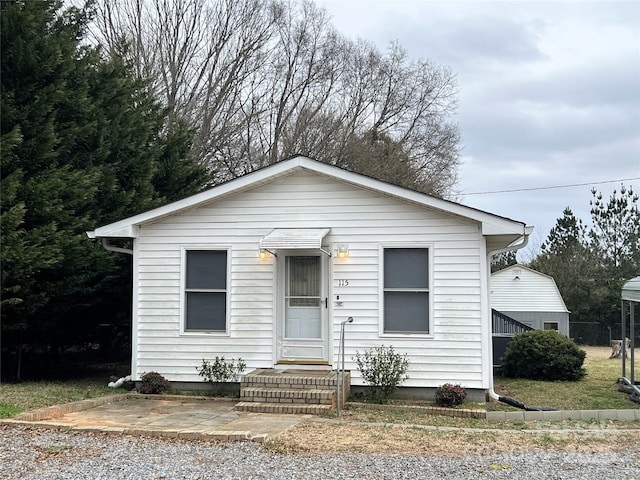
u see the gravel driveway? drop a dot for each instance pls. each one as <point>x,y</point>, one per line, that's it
<point>41,454</point>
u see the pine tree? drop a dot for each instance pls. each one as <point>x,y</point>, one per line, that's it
<point>84,143</point>
<point>566,237</point>
<point>616,229</point>
<point>590,266</point>
<point>566,257</point>
<point>614,240</point>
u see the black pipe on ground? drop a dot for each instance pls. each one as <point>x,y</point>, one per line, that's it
<point>522,406</point>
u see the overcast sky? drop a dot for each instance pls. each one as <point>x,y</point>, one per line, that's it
<point>549,93</point>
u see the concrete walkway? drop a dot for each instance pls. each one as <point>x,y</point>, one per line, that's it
<point>204,418</point>
<point>162,416</point>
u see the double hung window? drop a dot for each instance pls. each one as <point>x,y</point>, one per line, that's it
<point>206,290</point>
<point>406,290</point>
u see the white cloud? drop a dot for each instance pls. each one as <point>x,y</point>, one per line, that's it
<point>549,92</point>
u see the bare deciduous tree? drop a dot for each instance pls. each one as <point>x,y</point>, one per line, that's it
<point>261,80</point>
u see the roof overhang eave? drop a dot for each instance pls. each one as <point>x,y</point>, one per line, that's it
<point>506,227</point>
<point>126,231</point>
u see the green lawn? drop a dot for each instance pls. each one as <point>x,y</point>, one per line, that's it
<point>597,390</point>
<point>19,397</point>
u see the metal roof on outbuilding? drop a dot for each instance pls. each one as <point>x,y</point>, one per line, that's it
<point>521,289</point>
<point>631,290</point>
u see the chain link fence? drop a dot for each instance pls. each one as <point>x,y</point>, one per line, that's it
<point>595,333</point>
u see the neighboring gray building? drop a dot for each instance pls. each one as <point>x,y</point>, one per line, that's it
<point>529,297</point>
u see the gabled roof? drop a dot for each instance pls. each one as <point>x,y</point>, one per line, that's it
<point>522,267</point>
<point>491,225</point>
<point>529,293</point>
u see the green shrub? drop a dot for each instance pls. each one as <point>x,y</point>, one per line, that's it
<point>383,369</point>
<point>543,355</point>
<point>449,395</point>
<point>221,370</point>
<point>153,382</point>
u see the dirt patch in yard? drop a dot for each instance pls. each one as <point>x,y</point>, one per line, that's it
<point>311,438</point>
<point>471,438</point>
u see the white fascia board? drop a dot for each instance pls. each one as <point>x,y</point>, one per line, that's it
<point>115,230</point>
<point>500,226</point>
<point>506,270</point>
<point>125,228</point>
<point>491,224</point>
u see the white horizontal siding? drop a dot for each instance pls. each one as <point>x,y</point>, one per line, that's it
<point>363,219</point>
<point>531,291</point>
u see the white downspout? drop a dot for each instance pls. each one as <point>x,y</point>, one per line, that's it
<point>519,246</point>
<point>106,246</point>
<point>111,248</point>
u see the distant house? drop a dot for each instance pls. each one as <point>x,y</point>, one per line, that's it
<point>268,266</point>
<point>530,297</point>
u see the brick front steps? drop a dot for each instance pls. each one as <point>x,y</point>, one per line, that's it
<point>291,391</point>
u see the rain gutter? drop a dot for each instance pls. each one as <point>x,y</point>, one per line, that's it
<point>522,244</point>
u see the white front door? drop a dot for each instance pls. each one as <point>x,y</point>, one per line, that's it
<point>303,326</point>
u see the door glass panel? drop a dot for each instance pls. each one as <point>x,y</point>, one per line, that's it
<point>303,297</point>
<point>303,281</point>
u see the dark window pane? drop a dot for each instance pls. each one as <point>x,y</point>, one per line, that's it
<point>406,268</point>
<point>207,269</point>
<point>406,312</point>
<point>304,276</point>
<point>206,311</point>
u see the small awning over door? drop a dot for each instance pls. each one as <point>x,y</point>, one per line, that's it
<point>294,238</point>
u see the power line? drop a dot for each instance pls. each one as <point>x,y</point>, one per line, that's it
<point>549,188</point>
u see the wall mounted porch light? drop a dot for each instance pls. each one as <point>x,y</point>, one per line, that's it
<point>342,250</point>
<point>264,253</point>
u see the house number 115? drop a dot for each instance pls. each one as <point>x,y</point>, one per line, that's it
<point>343,283</point>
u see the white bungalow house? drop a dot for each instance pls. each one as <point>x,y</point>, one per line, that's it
<point>530,297</point>
<point>268,266</point>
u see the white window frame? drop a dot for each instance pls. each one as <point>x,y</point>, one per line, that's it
<point>183,291</point>
<point>429,247</point>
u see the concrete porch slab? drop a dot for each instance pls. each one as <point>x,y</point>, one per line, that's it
<point>165,416</point>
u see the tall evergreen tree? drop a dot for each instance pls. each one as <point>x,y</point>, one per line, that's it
<point>590,266</point>
<point>616,229</point>
<point>567,237</point>
<point>614,240</point>
<point>83,144</point>
<point>566,257</point>
<point>41,193</point>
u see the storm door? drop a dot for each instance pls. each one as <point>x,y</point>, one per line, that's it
<point>303,322</point>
